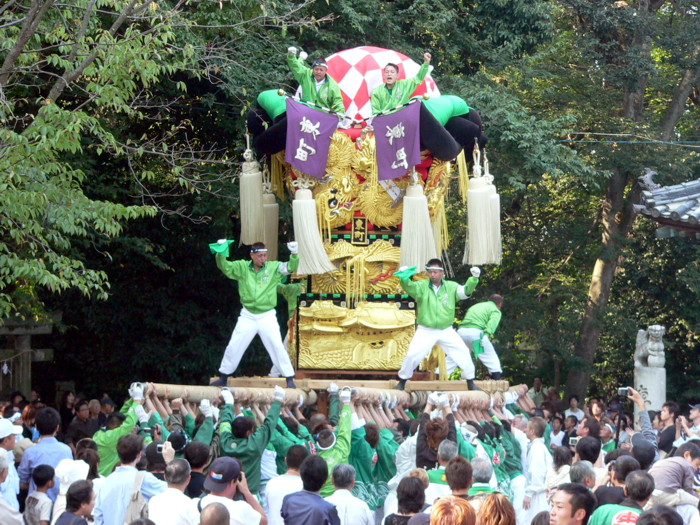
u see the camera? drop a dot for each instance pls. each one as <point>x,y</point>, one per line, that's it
<point>573,441</point>
<point>623,391</point>
<point>159,448</point>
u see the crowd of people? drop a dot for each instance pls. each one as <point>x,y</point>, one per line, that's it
<point>517,458</point>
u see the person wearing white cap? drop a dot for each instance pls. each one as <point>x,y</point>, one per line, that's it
<point>436,299</point>
<point>9,488</point>
<point>68,471</point>
<point>8,515</point>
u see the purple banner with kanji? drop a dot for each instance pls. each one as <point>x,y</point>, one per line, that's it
<point>398,141</point>
<point>309,133</point>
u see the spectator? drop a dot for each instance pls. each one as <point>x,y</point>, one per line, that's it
<point>173,507</point>
<point>94,409</point>
<point>411,496</point>
<point>588,449</point>
<point>597,408</point>
<point>669,412</point>
<point>459,476</point>
<point>607,436</point>
<point>115,494</point>
<point>106,409</point>
<point>497,510</point>
<point>661,515</point>
<point>289,482</point>
<point>8,515</point>
<point>574,409</point>
<point>556,436</point>
<point>638,488</point>
<point>9,489</point>
<point>572,504</point>
<point>307,506</point>
<point>81,426</point>
<point>66,409</point>
<point>215,514</point>
<point>674,477</point>
<point>48,451</point>
<point>537,464</point>
<point>155,463</point>
<point>225,484</point>
<point>684,433</point>
<point>618,469</point>
<point>582,473</point>
<point>197,455</point>
<point>438,481</point>
<point>351,510</point>
<point>38,506</point>
<point>558,473</point>
<point>452,510</point>
<point>28,422</point>
<point>537,393</point>
<point>68,471</point>
<point>589,427</point>
<point>80,501</point>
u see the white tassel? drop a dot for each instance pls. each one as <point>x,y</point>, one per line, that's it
<point>271,213</point>
<point>252,225</point>
<point>483,242</point>
<point>313,259</point>
<point>417,240</point>
<point>496,247</point>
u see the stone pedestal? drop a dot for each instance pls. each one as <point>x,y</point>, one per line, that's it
<point>650,382</point>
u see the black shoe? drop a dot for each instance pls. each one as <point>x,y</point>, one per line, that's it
<point>496,376</point>
<point>290,382</point>
<point>471,385</point>
<point>222,381</point>
<point>401,384</point>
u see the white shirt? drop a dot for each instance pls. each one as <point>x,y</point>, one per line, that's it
<point>172,507</point>
<point>405,459</point>
<point>10,488</point>
<point>556,439</point>
<point>351,510</point>
<point>277,489</point>
<point>241,511</point>
<point>578,414</point>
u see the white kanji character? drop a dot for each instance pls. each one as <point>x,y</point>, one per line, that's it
<point>307,126</point>
<point>397,132</point>
<point>303,151</point>
<point>400,160</point>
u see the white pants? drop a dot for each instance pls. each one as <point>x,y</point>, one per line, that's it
<point>489,356</point>
<point>248,326</point>
<point>424,340</point>
<point>517,486</point>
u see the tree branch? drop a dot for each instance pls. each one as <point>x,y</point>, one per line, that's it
<point>36,13</point>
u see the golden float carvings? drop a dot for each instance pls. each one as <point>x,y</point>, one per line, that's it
<point>373,336</point>
<point>359,335</point>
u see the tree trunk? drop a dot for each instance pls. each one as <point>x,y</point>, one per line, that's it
<point>617,218</point>
<point>675,109</point>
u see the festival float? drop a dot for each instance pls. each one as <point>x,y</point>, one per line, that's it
<point>368,196</point>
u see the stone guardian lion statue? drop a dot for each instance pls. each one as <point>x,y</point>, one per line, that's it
<point>650,347</point>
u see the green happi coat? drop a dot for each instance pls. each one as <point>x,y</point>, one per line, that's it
<point>340,452</point>
<point>328,95</point>
<point>483,316</point>
<point>436,310</point>
<point>385,99</point>
<point>258,290</point>
<point>248,450</point>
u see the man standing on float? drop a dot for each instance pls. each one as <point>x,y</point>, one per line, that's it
<point>436,301</point>
<point>393,92</point>
<point>317,86</point>
<point>477,329</point>
<point>257,287</point>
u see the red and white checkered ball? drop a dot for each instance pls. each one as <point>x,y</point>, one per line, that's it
<point>359,70</point>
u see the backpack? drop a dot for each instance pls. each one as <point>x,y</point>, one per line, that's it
<point>138,506</point>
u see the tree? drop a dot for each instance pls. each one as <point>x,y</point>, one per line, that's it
<point>86,92</point>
